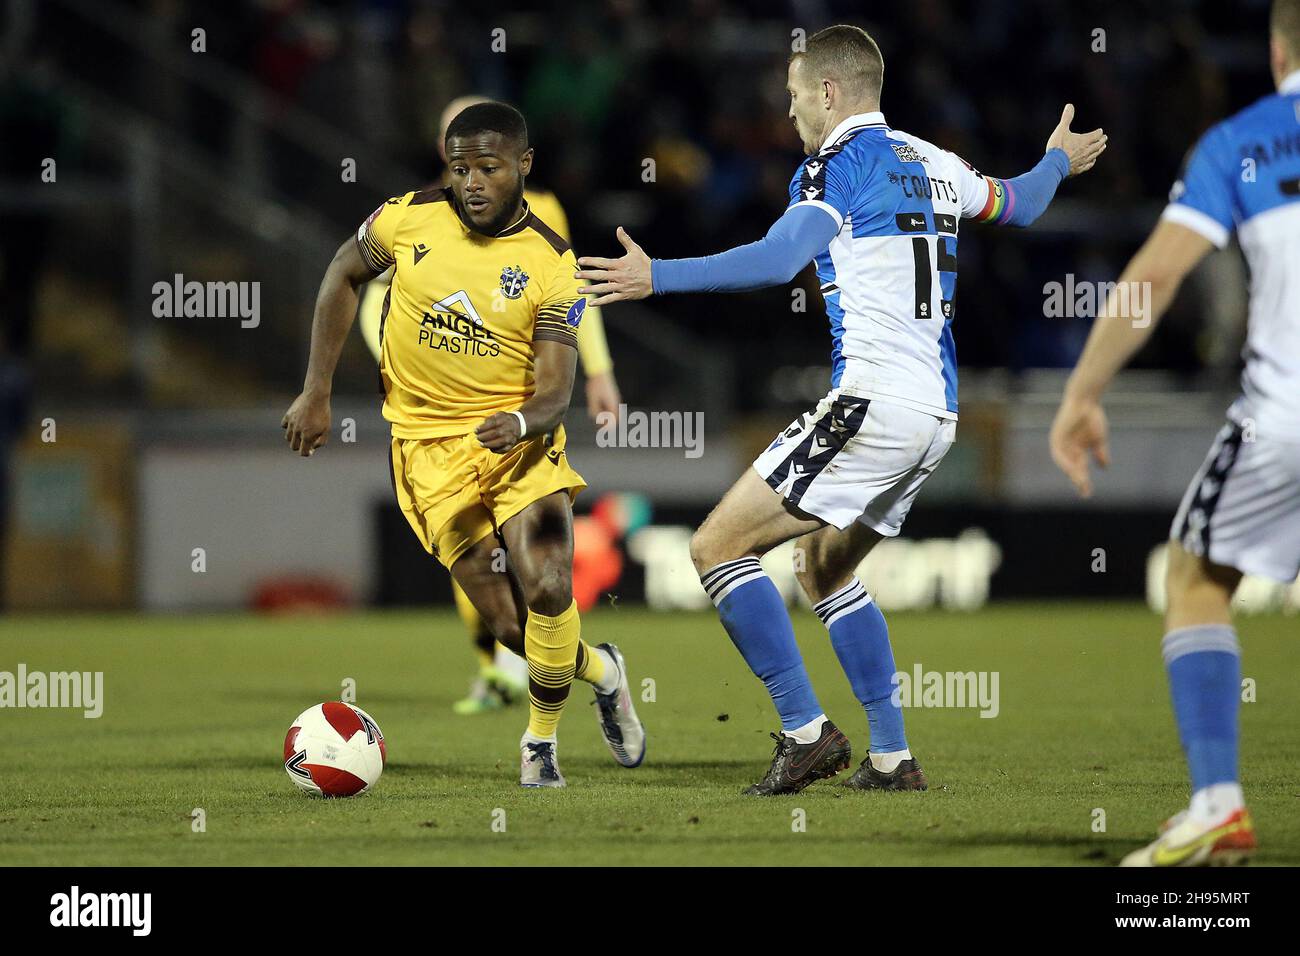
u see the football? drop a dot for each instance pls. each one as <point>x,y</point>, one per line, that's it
<point>334,750</point>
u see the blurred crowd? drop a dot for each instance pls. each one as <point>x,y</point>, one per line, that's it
<point>698,87</point>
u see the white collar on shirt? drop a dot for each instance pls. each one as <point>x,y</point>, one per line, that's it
<point>1290,84</point>
<point>857,119</point>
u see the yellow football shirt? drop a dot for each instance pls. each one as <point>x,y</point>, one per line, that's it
<point>463,310</point>
<point>593,348</point>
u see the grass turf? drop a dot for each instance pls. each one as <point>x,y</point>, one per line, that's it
<point>196,708</point>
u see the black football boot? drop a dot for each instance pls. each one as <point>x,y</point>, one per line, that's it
<point>795,765</point>
<point>908,775</point>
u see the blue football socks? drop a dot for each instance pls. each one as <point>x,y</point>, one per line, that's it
<point>1204,667</point>
<point>860,637</point>
<point>756,620</point>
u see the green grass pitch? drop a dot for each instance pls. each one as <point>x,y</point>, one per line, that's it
<point>196,708</point>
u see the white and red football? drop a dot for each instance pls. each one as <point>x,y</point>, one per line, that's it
<point>334,750</point>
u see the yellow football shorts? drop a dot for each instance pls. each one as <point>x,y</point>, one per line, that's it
<point>454,492</point>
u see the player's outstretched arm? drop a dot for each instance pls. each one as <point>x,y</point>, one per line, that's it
<point>1081,149</point>
<point>307,422</point>
<point>1020,201</point>
<point>555,364</point>
<point>1133,309</point>
<point>789,245</point>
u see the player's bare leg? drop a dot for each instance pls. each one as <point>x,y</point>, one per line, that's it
<point>487,576</point>
<point>1203,662</point>
<point>539,541</point>
<point>502,678</point>
<point>486,583</point>
<point>1197,592</point>
<point>826,562</point>
<point>828,559</point>
<point>750,520</point>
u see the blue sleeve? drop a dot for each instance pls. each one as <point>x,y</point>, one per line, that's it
<point>1029,194</point>
<point>1203,198</point>
<point>790,244</point>
<point>826,182</point>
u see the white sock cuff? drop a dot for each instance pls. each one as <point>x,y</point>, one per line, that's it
<point>1213,803</point>
<point>810,732</point>
<point>846,600</point>
<point>887,762</point>
<point>724,578</point>
<point>1201,637</point>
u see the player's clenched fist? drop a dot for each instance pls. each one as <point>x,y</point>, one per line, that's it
<point>307,423</point>
<point>1082,148</point>
<point>499,432</point>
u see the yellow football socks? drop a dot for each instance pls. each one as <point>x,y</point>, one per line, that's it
<point>591,665</point>
<point>551,644</point>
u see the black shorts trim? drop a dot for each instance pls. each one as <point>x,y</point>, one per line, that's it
<point>824,441</point>
<point>1200,510</point>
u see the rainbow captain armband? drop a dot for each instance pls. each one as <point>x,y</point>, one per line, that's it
<point>1000,203</point>
<point>1019,201</point>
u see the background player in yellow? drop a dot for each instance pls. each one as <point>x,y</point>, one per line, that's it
<point>478,355</point>
<point>502,676</point>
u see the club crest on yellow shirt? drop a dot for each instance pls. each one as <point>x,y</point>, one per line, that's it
<point>513,280</point>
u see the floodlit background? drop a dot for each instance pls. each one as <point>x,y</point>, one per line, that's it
<point>142,459</point>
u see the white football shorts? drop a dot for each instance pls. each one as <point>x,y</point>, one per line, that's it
<point>856,459</point>
<point>1242,509</point>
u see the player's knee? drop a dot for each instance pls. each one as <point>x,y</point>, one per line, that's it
<point>551,592</point>
<point>701,548</point>
<point>708,550</point>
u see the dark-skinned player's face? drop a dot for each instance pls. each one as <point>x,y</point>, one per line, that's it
<point>486,172</point>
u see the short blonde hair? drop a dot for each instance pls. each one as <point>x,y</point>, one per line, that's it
<point>847,55</point>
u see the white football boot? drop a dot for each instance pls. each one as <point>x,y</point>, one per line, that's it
<point>624,733</point>
<point>538,766</point>
<point>1186,841</point>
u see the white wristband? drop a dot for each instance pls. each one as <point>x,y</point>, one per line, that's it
<point>523,425</point>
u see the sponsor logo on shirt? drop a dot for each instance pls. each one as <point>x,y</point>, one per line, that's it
<point>574,317</point>
<point>906,153</point>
